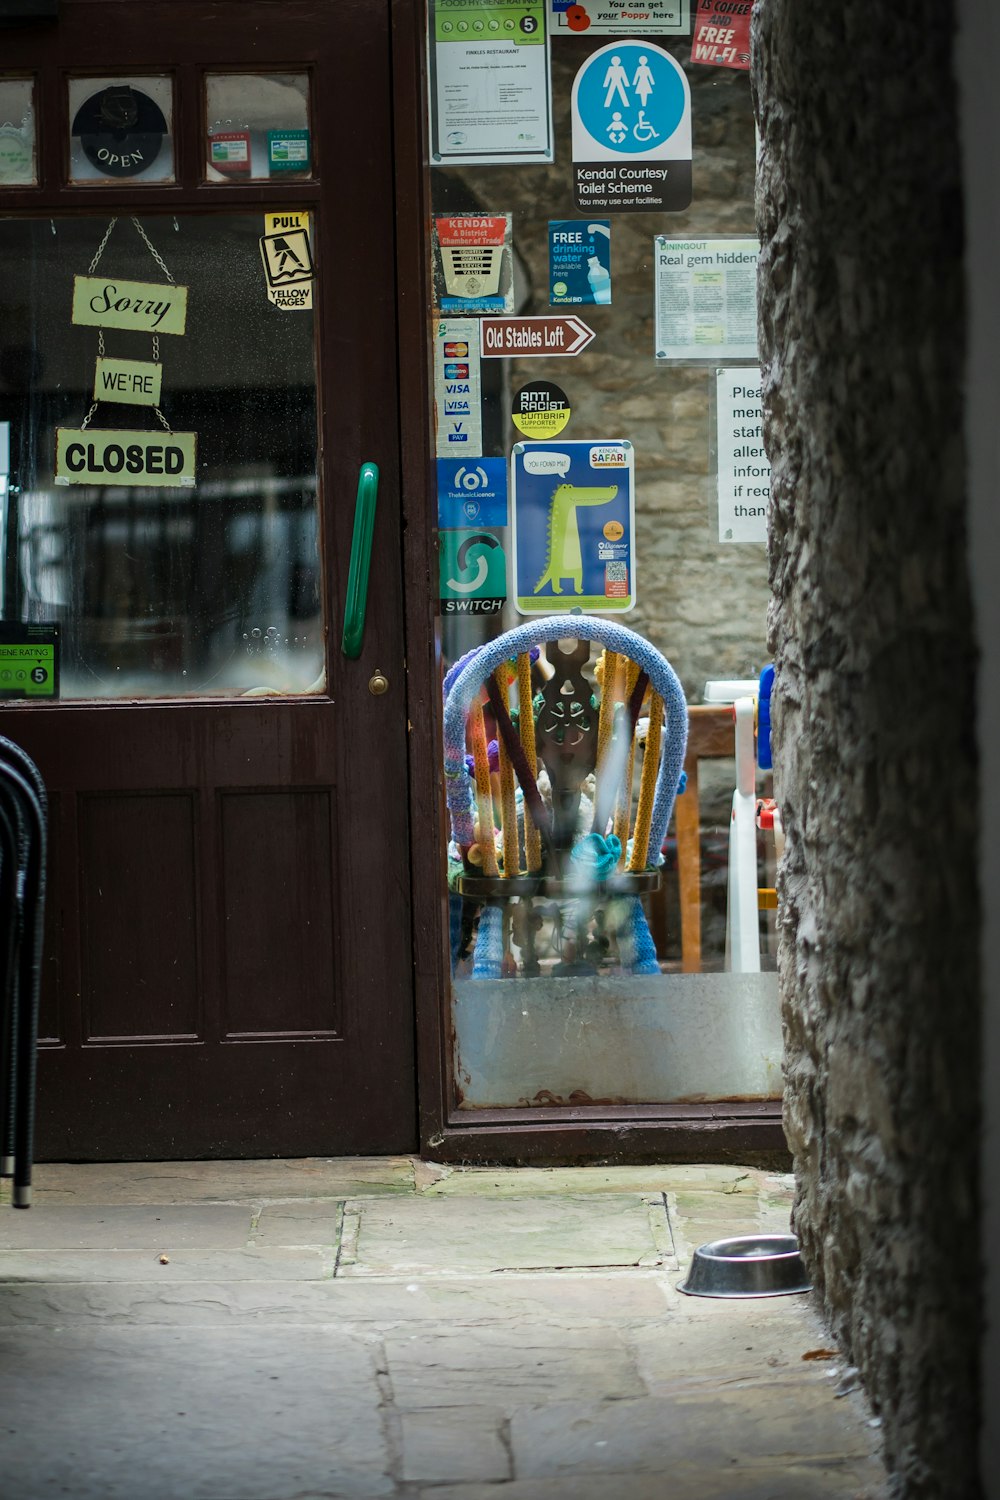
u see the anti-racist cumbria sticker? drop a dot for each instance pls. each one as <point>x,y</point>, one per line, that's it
<point>541,410</point>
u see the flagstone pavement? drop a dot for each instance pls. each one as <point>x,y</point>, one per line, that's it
<point>353,1328</point>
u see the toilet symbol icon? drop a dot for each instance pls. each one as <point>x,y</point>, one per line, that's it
<point>616,82</point>
<point>617,130</point>
<point>643,81</point>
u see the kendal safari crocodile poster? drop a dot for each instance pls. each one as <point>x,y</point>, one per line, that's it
<point>574,527</point>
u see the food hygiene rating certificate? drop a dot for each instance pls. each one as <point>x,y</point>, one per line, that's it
<point>490,92</point>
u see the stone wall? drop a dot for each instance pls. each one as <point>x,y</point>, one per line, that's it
<point>704,604</point>
<point>862,351</point>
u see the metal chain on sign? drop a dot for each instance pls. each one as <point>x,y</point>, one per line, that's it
<point>100,334</point>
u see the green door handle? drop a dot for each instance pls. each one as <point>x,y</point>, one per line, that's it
<point>361,556</point>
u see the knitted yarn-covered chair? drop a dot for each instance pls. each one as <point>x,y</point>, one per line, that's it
<point>542,852</point>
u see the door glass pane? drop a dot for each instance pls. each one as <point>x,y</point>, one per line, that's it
<point>258,126</point>
<point>121,130</point>
<point>162,505</point>
<point>597,434</point>
<point>17,131</point>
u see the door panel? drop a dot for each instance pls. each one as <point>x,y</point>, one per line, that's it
<point>228,970</point>
<point>139,938</point>
<point>276,860</point>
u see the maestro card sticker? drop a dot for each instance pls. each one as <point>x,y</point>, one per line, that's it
<point>579,261</point>
<point>574,527</point>
<point>472,492</point>
<point>458,414</point>
<point>540,410</point>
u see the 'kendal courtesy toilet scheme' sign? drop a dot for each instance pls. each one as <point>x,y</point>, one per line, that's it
<point>144,306</point>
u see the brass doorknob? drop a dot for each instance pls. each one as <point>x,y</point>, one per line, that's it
<point>378,683</point>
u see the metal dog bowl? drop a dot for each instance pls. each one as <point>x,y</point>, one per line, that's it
<point>756,1265</point>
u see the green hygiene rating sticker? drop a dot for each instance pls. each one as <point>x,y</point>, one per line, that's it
<point>29,660</point>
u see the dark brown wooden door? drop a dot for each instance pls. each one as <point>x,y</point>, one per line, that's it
<point>228,969</point>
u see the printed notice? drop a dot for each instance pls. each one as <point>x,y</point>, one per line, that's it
<point>744,472</point>
<point>474,264</point>
<point>574,527</point>
<point>457,404</point>
<point>722,34</point>
<point>490,91</point>
<point>109,456</point>
<point>631,117</point>
<point>29,659</point>
<point>472,492</point>
<point>615,18</point>
<point>579,261</point>
<point>706,298</point>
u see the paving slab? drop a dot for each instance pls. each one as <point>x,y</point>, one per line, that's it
<point>698,1217</point>
<point>45,1267</point>
<point>523,1182</point>
<point>518,1366</point>
<point>237,1415</point>
<point>340,1302</point>
<point>464,1443</point>
<point>685,1481</point>
<point>62,1226</point>
<point>221,1181</point>
<point>709,1342</point>
<point>440,1236</point>
<point>773,1422</point>
<point>299,1223</point>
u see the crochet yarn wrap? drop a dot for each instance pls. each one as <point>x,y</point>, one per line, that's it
<point>465,679</point>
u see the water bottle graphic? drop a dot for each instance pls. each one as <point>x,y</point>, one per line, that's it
<point>600,279</point>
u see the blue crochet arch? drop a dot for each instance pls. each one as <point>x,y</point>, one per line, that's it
<point>465,679</point>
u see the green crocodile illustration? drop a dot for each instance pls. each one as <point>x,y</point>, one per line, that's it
<point>564,559</point>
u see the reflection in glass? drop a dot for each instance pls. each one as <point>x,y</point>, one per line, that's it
<point>121,130</point>
<point>210,589</point>
<point>17,131</point>
<point>257,126</point>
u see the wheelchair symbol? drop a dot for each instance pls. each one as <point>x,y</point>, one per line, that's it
<point>643,130</point>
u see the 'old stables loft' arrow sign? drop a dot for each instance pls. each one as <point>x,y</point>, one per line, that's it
<point>503,338</point>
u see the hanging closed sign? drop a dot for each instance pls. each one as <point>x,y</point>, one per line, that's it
<point>145,306</point>
<point>127,456</point>
<point>91,455</point>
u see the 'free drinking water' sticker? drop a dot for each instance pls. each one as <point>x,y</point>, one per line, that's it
<point>579,261</point>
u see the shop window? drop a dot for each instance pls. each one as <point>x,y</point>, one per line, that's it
<point>121,130</point>
<point>158,424</point>
<point>597,439</point>
<point>18,165</point>
<point>257,127</point>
